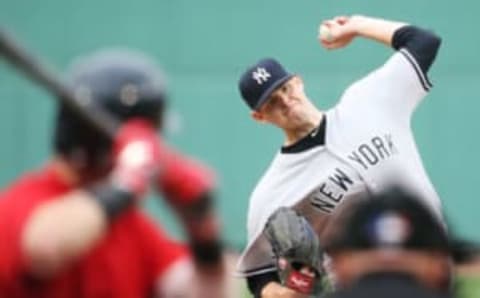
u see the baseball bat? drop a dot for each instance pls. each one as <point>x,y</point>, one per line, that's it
<point>40,73</point>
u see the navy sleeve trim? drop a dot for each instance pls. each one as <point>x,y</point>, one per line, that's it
<point>258,282</point>
<point>421,75</point>
<point>422,44</point>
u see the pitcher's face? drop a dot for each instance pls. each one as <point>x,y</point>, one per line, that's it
<point>287,107</point>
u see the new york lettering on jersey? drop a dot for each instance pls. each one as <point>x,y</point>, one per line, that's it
<point>371,152</point>
<point>345,180</point>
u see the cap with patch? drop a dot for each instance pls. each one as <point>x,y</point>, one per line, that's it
<point>260,80</point>
<point>394,219</point>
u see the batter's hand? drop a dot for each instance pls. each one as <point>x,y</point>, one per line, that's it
<point>340,30</point>
<point>136,153</point>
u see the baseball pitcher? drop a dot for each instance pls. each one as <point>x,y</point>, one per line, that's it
<point>331,158</point>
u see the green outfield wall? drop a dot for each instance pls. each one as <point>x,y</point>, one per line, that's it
<point>205,45</point>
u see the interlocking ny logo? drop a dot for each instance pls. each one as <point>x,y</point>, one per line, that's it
<point>261,75</point>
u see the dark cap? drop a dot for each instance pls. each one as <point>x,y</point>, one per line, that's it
<point>393,219</point>
<point>260,80</point>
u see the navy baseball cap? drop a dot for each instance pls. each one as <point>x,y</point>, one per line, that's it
<point>260,80</point>
<point>393,219</point>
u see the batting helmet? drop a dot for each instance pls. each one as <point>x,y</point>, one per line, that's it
<point>123,82</point>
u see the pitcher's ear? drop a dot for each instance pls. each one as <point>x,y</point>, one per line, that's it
<point>299,82</point>
<point>257,116</point>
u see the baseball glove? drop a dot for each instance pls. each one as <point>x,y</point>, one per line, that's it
<point>297,250</point>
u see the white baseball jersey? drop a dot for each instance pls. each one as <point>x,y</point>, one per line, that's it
<point>368,146</point>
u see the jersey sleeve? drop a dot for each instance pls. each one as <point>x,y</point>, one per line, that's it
<point>398,86</point>
<point>392,91</point>
<point>183,180</point>
<point>422,44</point>
<point>257,258</point>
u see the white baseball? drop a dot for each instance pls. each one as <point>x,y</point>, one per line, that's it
<point>324,33</point>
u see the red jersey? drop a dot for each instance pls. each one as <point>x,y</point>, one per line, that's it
<point>127,262</point>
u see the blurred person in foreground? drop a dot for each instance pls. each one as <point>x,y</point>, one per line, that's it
<point>391,246</point>
<point>74,228</point>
